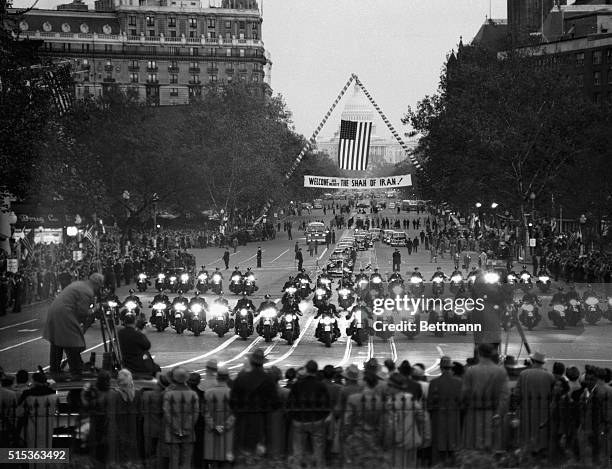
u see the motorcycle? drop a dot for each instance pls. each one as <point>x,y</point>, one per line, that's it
<point>437,287</point>
<point>376,284</point>
<point>320,294</point>
<point>525,281</point>
<point>110,309</point>
<point>202,283</point>
<point>218,322</point>
<point>345,298</point>
<point>141,283</point>
<point>324,283</point>
<point>327,330</point>
<point>160,316</point>
<point>160,282</point>
<point>362,288</point>
<point>456,282</point>
<point>249,286</point>
<point>507,317</point>
<point>512,279</point>
<point>244,319</point>
<point>592,312</point>
<point>196,325</point>
<point>185,282</point>
<point>529,315</point>
<point>268,324</point>
<point>574,313</point>
<point>558,316</point>
<point>416,285</point>
<point>471,279</point>
<point>217,284</point>
<point>178,315</point>
<point>304,288</point>
<point>358,329</point>
<point>235,285</point>
<point>173,283</point>
<point>437,316</point>
<point>130,307</point>
<point>395,288</point>
<point>290,297</point>
<point>543,283</point>
<point>289,327</point>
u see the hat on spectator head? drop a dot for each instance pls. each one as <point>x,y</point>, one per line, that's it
<point>417,372</point>
<point>179,375</point>
<point>396,381</point>
<point>163,379</point>
<point>223,371</point>
<point>446,362</point>
<point>371,365</point>
<point>257,358</point>
<point>211,365</point>
<point>538,357</point>
<point>194,378</point>
<point>351,373</point>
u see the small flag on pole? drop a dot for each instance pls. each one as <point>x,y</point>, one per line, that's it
<point>27,244</point>
<point>89,235</point>
<point>354,146</point>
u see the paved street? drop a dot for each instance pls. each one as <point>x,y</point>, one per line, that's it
<point>23,347</point>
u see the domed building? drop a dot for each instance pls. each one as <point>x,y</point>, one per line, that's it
<point>383,150</point>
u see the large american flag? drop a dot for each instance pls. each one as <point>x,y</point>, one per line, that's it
<point>354,145</point>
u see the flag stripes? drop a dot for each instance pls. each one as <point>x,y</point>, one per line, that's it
<point>27,244</point>
<point>56,84</point>
<point>89,235</point>
<point>354,145</point>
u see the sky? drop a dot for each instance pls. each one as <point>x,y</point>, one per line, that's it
<point>396,47</point>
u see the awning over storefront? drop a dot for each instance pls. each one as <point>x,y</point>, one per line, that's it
<point>33,216</point>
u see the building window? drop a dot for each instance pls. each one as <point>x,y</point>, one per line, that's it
<point>151,33</point>
<point>173,78</point>
<point>597,57</point>
<point>228,52</point>
<point>131,21</point>
<point>172,33</point>
<point>228,25</point>
<point>133,77</point>
<point>194,65</point>
<point>228,37</point>
<point>174,50</point>
<point>84,47</point>
<point>241,52</point>
<point>108,63</point>
<point>133,32</point>
<point>193,34</point>
<point>172,22</point>
<point>579,59</point>
<point>212,78</point>
<point>597,98</point>
<point>134,64</point>
<point>108,47</point>
<point>596,78</point>
<point>194,80</point>
<point>173,91</point>
<point>193,22</point>
<point>151,65</point>
<point>255,34</point>
<point>152,78</point>
<point>255,78</point>
<point>193,51</point>
<point>150,20</point>
<point>212,23</point>
<point>609,56</point>
<point>580,80</point>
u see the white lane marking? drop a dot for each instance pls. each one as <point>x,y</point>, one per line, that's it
<point>393,349</point>
<point>280,255</point>
<point>17,324</point>
<point>322,254</point>
<point>207,354</point>
<point>347,352</point>
<point>240,355</point>
<point>440,351</point>
<point>27,330</point>
<point>270,347</point>
<point>221,258</point>
<point>20,344</point>
<point>370,352</point>
<point>254,255</point>
<point>437,363</point>
<point>294,346</point>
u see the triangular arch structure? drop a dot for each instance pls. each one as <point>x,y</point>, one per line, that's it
<point>313,138</point>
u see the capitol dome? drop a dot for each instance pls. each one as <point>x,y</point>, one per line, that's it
<point>358,108</point>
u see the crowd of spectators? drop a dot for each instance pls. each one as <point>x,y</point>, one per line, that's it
<point>383,415</point>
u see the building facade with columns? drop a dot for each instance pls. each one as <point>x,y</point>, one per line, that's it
<point>162,51</point>
<point>383,150</point>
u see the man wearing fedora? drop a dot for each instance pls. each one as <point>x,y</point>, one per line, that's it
<point>253,397</point>
<point>443,405</point>
<point>533,393</point>
<point>209,380</point>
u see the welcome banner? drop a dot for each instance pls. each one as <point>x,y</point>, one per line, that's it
<point>324,182</point>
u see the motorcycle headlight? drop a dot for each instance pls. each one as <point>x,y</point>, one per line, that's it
<point>491,277</point>
<point>574,302</point>
<point>456,278</point>
<point>290,290</point>
<point>112,304</point>
<point>159,306</point>
<point>236,278</point>
<point>591,301</point>
<point>269,313</point>
<point>415,280</point>
<point>184,277</point>
<point>344,292</point>
<point>202,277</point>
<point>543,278</point>
<point>218,309</point>
<point>525,277</point>
<point>326,281</point>
<point>131,305</point>
<point>511,278</point>
<point>179,307</point>
<point>196,308</point>
<point>320,292</point>
<point>559,308</point>
<point>288,317</point>
<point>173,279</point>
<point>303,281</point>
<point>376,280</point>
<point>161,276</point>
<point>142,276</point>
<point>243,312</point>
<point>528,308</point>
<point>217,278</point>
<point>251,278</point>
<point>327,320</point>
<point>437,279</point>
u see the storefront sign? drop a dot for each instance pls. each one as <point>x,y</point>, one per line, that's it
<point>12,265</point>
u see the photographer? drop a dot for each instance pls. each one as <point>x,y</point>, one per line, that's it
<point>64,328</point>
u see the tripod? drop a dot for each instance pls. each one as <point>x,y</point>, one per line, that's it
<point>519,327</point>
<point>111,359</point>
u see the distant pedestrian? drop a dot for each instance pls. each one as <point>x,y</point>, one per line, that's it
<point>289,231</point>
<point>235,243</point>
<point>327,239</point>
<point>311,248</point>
<point>333,236</point>
<point>300,259</point>
<point>226,257</point>
<point>397,260</point>
<point>258,257</point>
<point>415,244</point>
<point>409,246</point>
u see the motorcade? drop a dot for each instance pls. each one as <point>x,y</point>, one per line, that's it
<point>316,232</point>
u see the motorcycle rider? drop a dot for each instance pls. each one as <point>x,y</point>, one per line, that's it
<point>327,309</point>
<point>161,297</point>
<point>439,274</point>
<point>302,275</point>
<point>559,298</point>
<point>201,301</point>
<point>366,313</point>
<point>589,292</point>
<point>221,300</point>
<point>530,298</point>
<point>267,303</point>
<point>288,283</point>
<point>217,272</point>
<point>396,277</point>
<point>416,273</point>
<point>180,299</point>
<point>236,272</point>
<point>202,271</point>
<point>524,272</point>
<point>374,275</point>
<point>132,297</point>
<point>347,279</point>
<point>245,302</point>
<point>361,275</point>
<point>324,275</point>
<point>246,275</point>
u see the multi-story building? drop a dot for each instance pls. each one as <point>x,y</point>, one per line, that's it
<point>163,51</point>
<point>382,150</point>
<point>526,17</point>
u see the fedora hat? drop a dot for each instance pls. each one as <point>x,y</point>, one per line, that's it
<point>211,365</point>
<point>446,362</point>
<point>538,357</point>
<point>257,357</point>
<point>351,373</point>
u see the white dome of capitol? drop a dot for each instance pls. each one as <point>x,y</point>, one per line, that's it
<point>358,108</point>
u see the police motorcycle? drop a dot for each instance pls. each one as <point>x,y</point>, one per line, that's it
<point>525,279</point>
<point>184,282</point>
<point>512,279</point>
<point>395,285</point>
<point>590,306</point>
<point>471,279</point>
<point>376,283</point>
<point>268,325</point>
<point>346,297</point>
<point>109,306</point>
<point>417,287</point>
<point>543,282</point>
<point>202,280</point>
<point>320,295</point>
<point>327,330</point>
<point>216,282</point>
<point>290,294</point>
<point>219,321</point>
<point>289,322</point>
<point>410,315</point>
<point>456,282</point>
<point>437,286</point>
<point>172,281</point>
<point>132,306</point>
<point>161,282</point>
<point>248,282</point>
<point>161,307</point>
<point>558,312</point>
<point>244,312</point>
<point>302,283</point>
<point>143,282</point>
<point>362,284</point>
<point>178,316</point>
<point>574,307</point>
<point>324,281</point>
<point>196,311</point>
<point>459,314</point>
<point>358,329</point>
<point>528,312</point>
<point>235,285</point>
